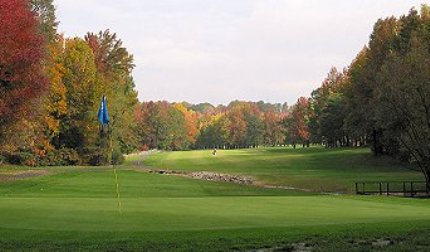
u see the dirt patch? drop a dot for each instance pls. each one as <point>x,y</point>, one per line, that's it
<point>19,175</point>
<point>294,247</point>
<point>352,244</point>
<point>286,188</point>
<point>382,242</point>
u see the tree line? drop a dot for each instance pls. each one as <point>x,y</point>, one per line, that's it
<point>382,99</point>
<point>51,87</point>
<point>182,126</point>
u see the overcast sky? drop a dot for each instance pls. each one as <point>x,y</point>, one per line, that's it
<point>222,50</point>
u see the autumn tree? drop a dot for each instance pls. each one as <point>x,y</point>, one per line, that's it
<point>237,127</point>
<point>62,81</point>
<point>148,124</point>
<point>21,73</point>
<point>55,101</point>
<point>297,123</point>
<point>274,130</point>
<point>191,126</point>
<point>214,133</point>
<point>165,126</point>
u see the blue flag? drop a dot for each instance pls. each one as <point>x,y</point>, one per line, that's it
<point>103,114</point>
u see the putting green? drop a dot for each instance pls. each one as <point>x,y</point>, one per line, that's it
<point>175,214</point>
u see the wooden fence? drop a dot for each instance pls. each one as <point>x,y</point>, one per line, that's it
<point>406,188</point>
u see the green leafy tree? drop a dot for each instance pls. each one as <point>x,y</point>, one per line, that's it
<point>79,129</point>
<point>48,24</point>
<point>332,121</point>
<point>320,99</point>
<point>113,78</point>
<point>403,108</point>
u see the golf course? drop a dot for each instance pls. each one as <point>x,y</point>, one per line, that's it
<point>255,126</point>
<point>309,205</point>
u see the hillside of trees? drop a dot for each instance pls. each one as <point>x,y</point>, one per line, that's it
<point>382,99</point>
<point>51,87</point>
<point>182,126</point>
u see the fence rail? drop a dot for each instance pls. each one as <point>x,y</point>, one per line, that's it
<point>407,188</point>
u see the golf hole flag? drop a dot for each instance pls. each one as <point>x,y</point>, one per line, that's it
<point>103,114</point>
<point>103,117</point>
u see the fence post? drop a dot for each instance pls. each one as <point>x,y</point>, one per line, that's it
<point>412,189</point>
<point>427,187</point>
<point>388,188</point>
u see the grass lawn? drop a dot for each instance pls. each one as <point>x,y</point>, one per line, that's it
<point>316,168</point>
<point>75,208</point>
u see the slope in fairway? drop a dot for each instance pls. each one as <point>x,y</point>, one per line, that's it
<point>316,168</point>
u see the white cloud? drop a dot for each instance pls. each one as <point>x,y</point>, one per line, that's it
<point>217,51</point>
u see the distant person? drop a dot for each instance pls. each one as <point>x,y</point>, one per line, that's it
<point>214,152</point>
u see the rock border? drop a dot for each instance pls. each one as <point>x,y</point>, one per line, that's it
<point>209,176</point>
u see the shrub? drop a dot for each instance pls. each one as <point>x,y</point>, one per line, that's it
<point>3,159</point>
<point>50,159</point>
<point>95,156</point>
<point>23,157</point>
<point>98,156</point>
<point>61,157</point>
<point>69,156</point>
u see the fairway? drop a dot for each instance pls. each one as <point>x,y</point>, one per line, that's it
<point>77,206</point>
<point>317,169</point>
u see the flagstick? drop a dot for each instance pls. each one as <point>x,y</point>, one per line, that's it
<point>115,174</point>
<point>103,117</point>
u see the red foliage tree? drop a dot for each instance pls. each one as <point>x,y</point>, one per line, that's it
<point>300,114</point>
<point>21,55</point>
<point>298,122</point>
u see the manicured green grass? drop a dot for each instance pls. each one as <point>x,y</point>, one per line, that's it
<point>76,208</point>
<point>316,168</point>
